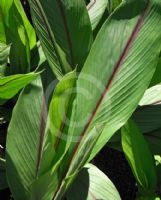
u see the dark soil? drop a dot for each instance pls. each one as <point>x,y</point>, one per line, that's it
<point>115,166</point>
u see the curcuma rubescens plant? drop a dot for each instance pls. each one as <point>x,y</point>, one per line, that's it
<point>84,78</point>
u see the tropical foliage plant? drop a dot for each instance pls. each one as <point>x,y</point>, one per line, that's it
<point>66,92</point>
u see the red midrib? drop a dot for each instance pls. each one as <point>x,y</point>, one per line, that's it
<point>43,118</point>
<point>91,5</point>
<point>118,66</point>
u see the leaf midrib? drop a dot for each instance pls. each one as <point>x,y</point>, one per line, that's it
<point>132,38</point>
<point>116,69</point>
<point>91,4</point>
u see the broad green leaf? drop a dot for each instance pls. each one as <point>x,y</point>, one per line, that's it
<point>153,138</point>
<point>24,140</point>
<point>55,143</point>
<point>64,30</point>
<point>3,181</point>
<point>139,157</point>
<point>152,96</point>
<point>115,76</point>
<point>91,184</point>
<point>10,85</point>
<point>16,34</point>
<point>4,54</point>
<point>96,8</point>
<point>39,152</point>
<point>123,92</point>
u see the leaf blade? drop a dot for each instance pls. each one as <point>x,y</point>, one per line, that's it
<point>135,147</point>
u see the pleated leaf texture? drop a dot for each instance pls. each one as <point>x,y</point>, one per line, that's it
<point>116,73</point>
<point>65,32</point>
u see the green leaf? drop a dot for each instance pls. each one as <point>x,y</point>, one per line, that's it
<point>152,96</point>
<point>29,29</point>
<point>118,70</point>
<point>148,114</point>
<point>91,183</point>
<point>154,140</point>
<point>4,54</point>
<point>39,151</point>
<point>24,140</point>
<point>148,118</point>
<point>135,149</point>
<point>2,31</point>
<point>157,78</point>
<point>59,113</point>
<point>113,4</point>
<point>55,143</point>
<point>16,34</point>
<point>64,30</point>
<point>3,181</point>
<point>96,8</point>
<point>37,57</point>
<point>10,85</point>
